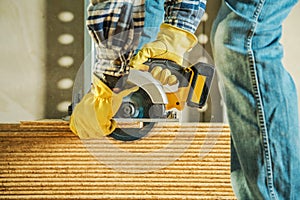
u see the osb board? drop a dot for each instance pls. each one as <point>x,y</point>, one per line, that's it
<point>44,160</point>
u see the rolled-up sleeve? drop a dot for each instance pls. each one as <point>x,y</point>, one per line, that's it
<point>185,14</point>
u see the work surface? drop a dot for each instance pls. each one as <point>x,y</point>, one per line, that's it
<point>44,160</point>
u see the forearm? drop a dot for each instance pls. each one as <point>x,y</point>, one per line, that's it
<point>115,27</point>
<point>185,14</point>
<point>103,17</point>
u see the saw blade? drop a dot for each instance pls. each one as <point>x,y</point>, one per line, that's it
<point>138,108</point>
<point>139,105</point>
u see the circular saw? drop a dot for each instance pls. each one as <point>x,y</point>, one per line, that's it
<point>154,102</point>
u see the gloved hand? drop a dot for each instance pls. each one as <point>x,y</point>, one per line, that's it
<point>171,44</point>
<point>164,76</point>
<point>92,117</point>
<point>115,32</point>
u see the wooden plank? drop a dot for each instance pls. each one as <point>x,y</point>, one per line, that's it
<point>44,160</point>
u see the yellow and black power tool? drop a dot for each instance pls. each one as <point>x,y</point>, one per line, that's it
<point>155,102</point>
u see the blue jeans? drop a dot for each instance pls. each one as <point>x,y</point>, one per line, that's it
<point>260,98</point>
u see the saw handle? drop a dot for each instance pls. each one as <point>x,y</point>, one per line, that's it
<point>194,83</point>
<point>183,74</point>
<point>176,99</point>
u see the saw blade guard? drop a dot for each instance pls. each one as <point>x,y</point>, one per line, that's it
<point>147,106</point>
<point>137,106</point>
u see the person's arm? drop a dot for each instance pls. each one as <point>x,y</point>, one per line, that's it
<point>113,30</point>
<point>115,27</point>
<point>176,35</point>
<point>185,14</point>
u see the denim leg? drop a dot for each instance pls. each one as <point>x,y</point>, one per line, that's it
<point>260,98</point>
<point>154,15</point>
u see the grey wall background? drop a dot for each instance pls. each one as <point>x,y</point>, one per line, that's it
<point>41,49</point>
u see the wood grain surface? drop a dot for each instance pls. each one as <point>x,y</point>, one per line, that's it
<point>44,160</point>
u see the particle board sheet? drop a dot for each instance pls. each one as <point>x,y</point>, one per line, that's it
<point>44,160</point>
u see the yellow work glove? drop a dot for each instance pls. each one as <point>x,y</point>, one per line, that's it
<point>164,76</point>
<point>92,117</point>
<point>171,44</point>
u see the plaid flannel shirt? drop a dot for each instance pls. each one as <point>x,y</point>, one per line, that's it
<point>105,19</point>
<point>185,14</point>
